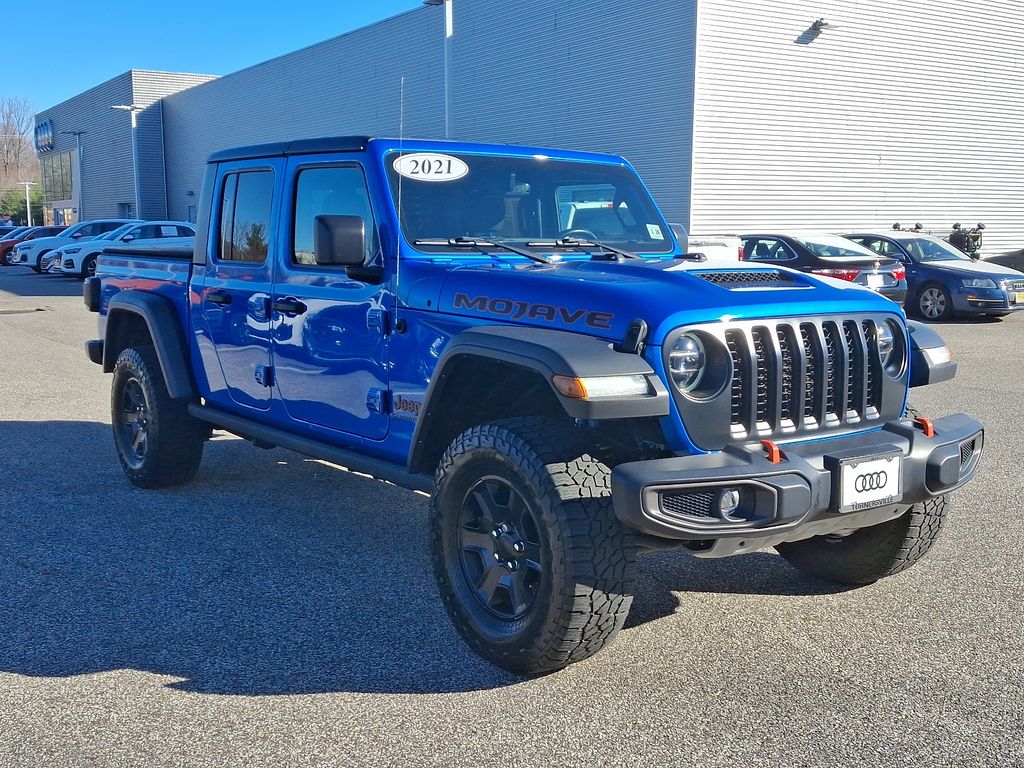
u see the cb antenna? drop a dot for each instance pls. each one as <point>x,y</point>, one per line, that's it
<point>398,230</point>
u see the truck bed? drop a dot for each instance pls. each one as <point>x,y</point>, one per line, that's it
<point>163,271</point>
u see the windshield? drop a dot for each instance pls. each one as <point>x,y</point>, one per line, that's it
<point>827,246</point>
<point>932,249</point>
<point>522,199</point>
<point>115,233</point>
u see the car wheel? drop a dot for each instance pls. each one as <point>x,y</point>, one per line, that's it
<point>157,442</point>
<point>934,303</point>
<point>533,567</point>
<point>869,554</point>
<point>88,267</point>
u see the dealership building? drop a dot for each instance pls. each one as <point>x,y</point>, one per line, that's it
<point>741,115</point>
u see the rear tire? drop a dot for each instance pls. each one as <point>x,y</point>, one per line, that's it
<point>872,553</point>
<point>157,442</point>
<point>529,494</point>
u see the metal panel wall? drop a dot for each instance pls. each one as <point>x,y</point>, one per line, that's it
<point>106,146</point>
<point>347,85</point>
<point>908,112</point>
<point>598,75</point>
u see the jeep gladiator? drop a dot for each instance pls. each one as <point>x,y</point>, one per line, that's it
<point>569,397</point>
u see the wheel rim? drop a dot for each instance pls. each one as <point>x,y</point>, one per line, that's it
<point>499,548</point>
<point>933,303</point>
<point>90,267</point>
<point>133,422</point>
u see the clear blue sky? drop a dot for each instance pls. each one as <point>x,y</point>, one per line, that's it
<point>64,47</point>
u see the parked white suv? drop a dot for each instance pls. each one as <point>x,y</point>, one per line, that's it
<point>31,252</point>
<point>79,259</point>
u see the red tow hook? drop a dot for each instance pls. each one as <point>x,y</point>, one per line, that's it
<point>773,451</point>
<point>925,425</point>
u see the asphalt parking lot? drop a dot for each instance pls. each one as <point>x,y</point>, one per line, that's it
<point>278,611</point>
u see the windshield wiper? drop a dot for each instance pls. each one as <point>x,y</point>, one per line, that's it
<point>572,242</point>
<point>482,245</point>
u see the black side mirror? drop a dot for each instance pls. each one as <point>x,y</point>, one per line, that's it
<point>339,240</point>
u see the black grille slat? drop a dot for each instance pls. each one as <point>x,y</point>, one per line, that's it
<point>966,452</point>
<point>803,376</point>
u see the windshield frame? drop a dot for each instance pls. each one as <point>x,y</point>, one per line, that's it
<point>391,180</point>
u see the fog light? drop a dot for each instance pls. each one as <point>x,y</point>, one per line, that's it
<point>728,501</point>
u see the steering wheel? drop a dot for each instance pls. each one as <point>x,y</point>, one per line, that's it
<point>575,233</point>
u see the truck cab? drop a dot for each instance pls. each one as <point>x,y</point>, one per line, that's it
<point>517,332</point>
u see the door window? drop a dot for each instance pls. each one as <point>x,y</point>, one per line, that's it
<point>337,190</point>
<point>245,208</point>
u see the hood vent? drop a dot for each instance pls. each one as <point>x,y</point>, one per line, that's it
<point>747,278</point>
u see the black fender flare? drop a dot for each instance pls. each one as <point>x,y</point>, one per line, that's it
<point>165,330</point>
<point>547,352</point>
<point>923,370</point>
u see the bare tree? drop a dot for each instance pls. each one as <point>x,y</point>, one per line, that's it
<point>17,118</point>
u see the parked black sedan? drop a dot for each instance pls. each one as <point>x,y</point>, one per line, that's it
<point>831,256</point>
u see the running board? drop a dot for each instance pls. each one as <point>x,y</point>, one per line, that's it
<point>379,469</point>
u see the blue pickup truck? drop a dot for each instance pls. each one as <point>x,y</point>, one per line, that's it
<point>572,390</point>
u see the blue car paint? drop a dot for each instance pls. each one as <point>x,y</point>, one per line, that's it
<point>324,391</point>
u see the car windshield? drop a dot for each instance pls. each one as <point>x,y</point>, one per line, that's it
<point>115,233</point>
<point>932,249</point>
<point>521,199</point>
<point>834,246</point>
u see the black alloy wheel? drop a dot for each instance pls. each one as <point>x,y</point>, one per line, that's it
<point>132,423</point>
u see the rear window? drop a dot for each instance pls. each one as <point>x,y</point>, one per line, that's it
<point>833,246</point>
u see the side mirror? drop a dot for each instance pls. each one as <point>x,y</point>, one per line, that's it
<point>78,236</point>
<point>339,240</point>
<point>127,238</point>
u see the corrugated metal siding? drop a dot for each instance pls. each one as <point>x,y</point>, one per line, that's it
<point>148,88</point>
<point>347,85</point>
<point>106,147</point>
<point>602,76</point>
<point>902,112</point>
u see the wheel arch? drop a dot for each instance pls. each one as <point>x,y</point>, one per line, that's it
<point>496,372</point>
<point>135,317</point>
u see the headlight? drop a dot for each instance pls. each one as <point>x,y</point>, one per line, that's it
<point>70,251</point>
<point>686,362</point>
<point>886,342</point>
<point>979,282</point>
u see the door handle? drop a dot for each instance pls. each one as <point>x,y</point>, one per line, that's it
<point>217,297</point>
<point>288,306</point>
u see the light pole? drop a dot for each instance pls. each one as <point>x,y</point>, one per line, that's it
<point>448,31</point>
<point>134,109</point>
<point>28,201</point>
<point>81,185</point>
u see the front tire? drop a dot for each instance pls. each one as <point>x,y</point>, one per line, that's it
<point>88,267</point>
<point>934,303</point>
<point>157,442</point>
<point>871,553</point>
<point>533,567</point>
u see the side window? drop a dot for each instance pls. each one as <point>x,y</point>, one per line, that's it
<point>108,226</point>
<point>89,230</point>
<point>184,232</point>
<point>338,190</point>
<point>245,216</point>
<point>167,230</point>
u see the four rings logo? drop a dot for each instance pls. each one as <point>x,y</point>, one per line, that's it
<point>870,481</point>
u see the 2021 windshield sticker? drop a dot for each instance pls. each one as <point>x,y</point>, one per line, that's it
<point>430,166</point>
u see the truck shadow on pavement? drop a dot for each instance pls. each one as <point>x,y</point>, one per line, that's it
<point>23,282</point>
<point>269,574</point>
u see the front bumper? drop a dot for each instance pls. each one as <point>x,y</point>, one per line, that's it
<point>797,498</point>
<point>985,301</point>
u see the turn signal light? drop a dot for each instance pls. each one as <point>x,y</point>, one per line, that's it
<point>842,273</point>
<point>588,387</point>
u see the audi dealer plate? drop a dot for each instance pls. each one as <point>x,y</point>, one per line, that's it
<point>874,482</point>
<point>875,281</point>
<point>1020,298</point>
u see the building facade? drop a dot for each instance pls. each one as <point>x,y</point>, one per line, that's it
<point>739,114</point>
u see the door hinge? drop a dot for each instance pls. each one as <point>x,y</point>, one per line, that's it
<point>265,375</point>
<point>378,400</point>
<point>378,320</point>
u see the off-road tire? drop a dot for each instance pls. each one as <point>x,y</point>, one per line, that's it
<point>585,588</point>
<point>174,440</point>
<point>871,553</point>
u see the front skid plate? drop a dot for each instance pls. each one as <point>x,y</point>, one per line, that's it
<point>831,524</point>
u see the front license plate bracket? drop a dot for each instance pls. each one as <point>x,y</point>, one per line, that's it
<point>865,482</point>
